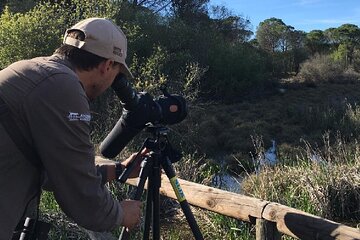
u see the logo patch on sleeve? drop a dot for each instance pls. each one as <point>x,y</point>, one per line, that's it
<point>79,117</point>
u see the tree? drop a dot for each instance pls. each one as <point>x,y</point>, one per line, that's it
<point>154,5</point>
<point>190,10</point>
<point>34,33</point>
<point>296,49</point>
<point>271,35</point>
<point>18,5</point>
<point>283,43</point>
<point>348,33</point>
<point>348,37</point>
<point>30,34</point>
<point>234,28</point>
<point>317,41</point>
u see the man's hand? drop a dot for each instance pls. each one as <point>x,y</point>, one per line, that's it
<point>136,169</point>
<point>107,167</point>
<point>132,213</point>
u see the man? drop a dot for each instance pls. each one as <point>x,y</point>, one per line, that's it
<point>48,100</point>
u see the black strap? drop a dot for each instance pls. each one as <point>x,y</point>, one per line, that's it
<point>7,120</point>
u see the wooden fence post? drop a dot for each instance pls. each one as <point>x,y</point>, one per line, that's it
<point>266,230</point>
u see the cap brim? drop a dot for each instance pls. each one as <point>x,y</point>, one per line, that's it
<point>125,69</point>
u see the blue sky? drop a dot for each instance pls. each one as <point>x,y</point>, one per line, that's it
<point>303,15</point>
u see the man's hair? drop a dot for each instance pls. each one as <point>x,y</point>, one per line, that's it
<point>81,59</point>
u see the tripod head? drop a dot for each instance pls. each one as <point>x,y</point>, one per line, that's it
<point>158,144</point>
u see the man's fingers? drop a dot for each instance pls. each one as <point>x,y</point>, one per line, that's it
<point>145,151</point>
<point>132,213</point>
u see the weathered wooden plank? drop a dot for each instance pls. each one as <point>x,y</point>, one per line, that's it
<point>100,160</point>
<point>230,204</point>
<point>303,225</point>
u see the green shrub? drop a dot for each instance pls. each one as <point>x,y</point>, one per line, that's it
<point>234,72</point>
<point>149,71</point>
<point>34,33</point>
<point>30,34</point>
<point>350,75</point>
<point>320,68</point>
<point>324,68</point>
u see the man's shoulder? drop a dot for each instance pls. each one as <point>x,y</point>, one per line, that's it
<point>42,76</point>
<point>55,64</point>
<point>40,68</point>
<point>58,73</point>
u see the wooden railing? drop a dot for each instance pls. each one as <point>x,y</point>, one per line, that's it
<point>271,218</point>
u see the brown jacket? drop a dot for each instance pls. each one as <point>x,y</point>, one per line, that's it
<point>51,109</point>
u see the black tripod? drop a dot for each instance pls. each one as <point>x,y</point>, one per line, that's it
<point>162,155</point>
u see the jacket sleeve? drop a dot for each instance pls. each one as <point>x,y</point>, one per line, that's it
<point>58,117</point>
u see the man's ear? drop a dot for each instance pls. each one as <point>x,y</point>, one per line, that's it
<point>105,66</point>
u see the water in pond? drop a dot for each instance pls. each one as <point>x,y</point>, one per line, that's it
<point>227,182</point>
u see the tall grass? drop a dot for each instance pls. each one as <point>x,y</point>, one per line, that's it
<point>344,118</point>
<point>324,182</point>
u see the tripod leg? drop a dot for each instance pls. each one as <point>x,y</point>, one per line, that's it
<point>156,198</point>
<point>144,172</point>
<point>152,201</point>
<point>170,173</point>
<point>149,209</point>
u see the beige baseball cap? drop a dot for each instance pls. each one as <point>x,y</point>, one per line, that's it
<point>102,38</point>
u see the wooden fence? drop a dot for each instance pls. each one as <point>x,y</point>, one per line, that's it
<point>270,218</point>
